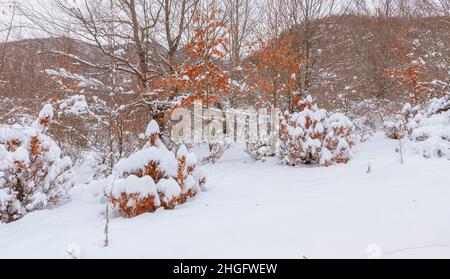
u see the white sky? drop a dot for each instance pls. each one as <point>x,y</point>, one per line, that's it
<point>46,5</point>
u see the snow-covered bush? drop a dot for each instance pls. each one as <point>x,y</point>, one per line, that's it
<point>426,129</point>
<point>154,177</point>
<point>393,128</point>
<point>216,151</point>
<point>364,128</point>
<point>397,127</point>
<point>429,129</point>
<point>259,150</point>
<point>313,136</point>
<point>439,105</point>
<point>32,172</point>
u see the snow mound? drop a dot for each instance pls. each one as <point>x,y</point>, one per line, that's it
<point>152,128</point>
<point>138,161</point>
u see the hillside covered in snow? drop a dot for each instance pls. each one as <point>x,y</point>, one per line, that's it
<point>300,129</point>
<point>374,207</point>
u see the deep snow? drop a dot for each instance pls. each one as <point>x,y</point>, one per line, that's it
<point>265,210</point>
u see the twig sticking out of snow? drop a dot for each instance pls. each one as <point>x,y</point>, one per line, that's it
<point>106,244</point>
<point>401,151</point>
<point>73,251</point>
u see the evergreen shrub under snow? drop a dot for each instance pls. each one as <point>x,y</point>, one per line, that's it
<point>154,177</point>
<point>314,136</point>
<point>426,129</point>
<point>33,174</point>
<point>429,130</point>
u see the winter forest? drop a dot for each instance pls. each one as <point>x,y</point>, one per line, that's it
<point>298,129</point>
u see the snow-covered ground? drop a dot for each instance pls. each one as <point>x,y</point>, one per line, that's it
<point>265,210</point>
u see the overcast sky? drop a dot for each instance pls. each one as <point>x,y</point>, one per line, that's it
<point>21,21</point>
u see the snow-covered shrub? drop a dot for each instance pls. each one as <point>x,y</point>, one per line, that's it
<point>313,136</point>
<point>393,128</point>
<point>154,177</point>
<point>32,172</point>
<point>426,129</point>
<point>429,129</point>
<point>259,150</point>
<point>134,195</point>
<point>438,105</point>
<point>397,127</point>
<point>364,128</point>
<point>216,151</point>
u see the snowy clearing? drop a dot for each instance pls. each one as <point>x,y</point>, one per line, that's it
<point>265,210</point>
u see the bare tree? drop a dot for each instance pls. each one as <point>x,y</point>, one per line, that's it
<point>90,22</point>
<point>177,16</point>
<point>7,9</point>
<point>434,7</point>
<point>273,20</point>
<point>310,17</point>
<point>437,39</point>
<point>241,20</point>
<point>148,34</point>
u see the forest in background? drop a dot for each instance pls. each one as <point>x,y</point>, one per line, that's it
<point>111,66</point>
